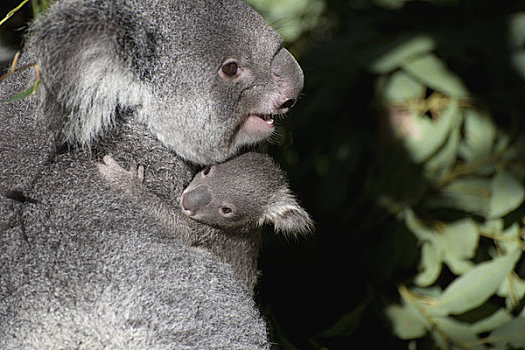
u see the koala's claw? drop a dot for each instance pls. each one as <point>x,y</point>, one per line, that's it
<point>114,173</point>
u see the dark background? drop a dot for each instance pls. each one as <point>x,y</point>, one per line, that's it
<point>329,291</point>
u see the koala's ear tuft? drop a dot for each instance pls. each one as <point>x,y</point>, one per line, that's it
<point>88,71</point>
<point>287,216</point>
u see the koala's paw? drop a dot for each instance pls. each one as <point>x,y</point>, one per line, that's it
<point>119,177</point>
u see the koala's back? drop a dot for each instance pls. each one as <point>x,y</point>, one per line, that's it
<point>126,285</point>
<point>82,268</point>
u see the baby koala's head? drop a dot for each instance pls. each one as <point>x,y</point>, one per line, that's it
<point>249,190</point>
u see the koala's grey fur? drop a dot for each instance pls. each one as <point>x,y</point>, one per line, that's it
<point>250,188</point>
<point>82,267</point>
<point>246,191</point>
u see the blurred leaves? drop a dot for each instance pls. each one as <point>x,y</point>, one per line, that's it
<point>290,18</point>
<point>507,194</point>
<point>471,167</point>
<point>397,57</point>
<point>428,198</point>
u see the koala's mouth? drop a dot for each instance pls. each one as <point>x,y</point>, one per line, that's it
<point>262,121</point>
<point>256,127</point>
<point>267,118</point>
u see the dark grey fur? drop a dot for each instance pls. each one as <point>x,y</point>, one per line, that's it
<point>82,267</point>
<point>236,197</point>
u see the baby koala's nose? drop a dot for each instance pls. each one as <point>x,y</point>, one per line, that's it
<point>195,199</point>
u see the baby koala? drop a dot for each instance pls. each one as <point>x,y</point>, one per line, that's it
<point>231,198</point>
<point>246,191</point>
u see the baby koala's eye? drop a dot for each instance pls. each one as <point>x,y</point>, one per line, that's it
<point>206,171</point>
<point>230,69</point>
<point>226,211</point>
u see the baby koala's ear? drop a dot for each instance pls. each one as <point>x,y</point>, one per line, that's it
<point>287,216</point>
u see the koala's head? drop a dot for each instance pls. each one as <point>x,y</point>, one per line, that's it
<point>245,191</point>
<point>206,76</point>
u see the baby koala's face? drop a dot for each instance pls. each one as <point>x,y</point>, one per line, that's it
<point>231,194</point>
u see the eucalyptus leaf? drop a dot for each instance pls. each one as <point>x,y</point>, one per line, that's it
<point>407,321</point>
<point>474,287</point>
<point>430,265</point>
<point>290,17</point>
<point>507,194</point>
<point>432,133</point>
<point>23,94</point>
<point>421,231</point>
<point>390,4</point>
<point>492,226</point>
<point>513,290</point>
<point>431,292</point>
<point>444,160</point>
<point>395,58</point>
<point>511,333</point>
<point>480,133</point>
<point>510,238</point>
<point>517,29</point>
<point>492,322</point>
<point>440,339</point>
<point>502,142</point>
<point>470,194</point>
<point>459,242</point>
<point>518,61</point>
<point>401,87</point>
<point>458,332</point>
<point>432,72</point>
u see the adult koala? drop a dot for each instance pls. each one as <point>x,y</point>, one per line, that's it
<point>172,85</point>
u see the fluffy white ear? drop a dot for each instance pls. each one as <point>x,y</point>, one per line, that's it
<point>287,216</point>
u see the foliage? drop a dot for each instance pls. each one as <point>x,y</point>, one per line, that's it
<point>474,168</point>
<point>407,149</point>
<point>292,18</point>
<point>38,7</point>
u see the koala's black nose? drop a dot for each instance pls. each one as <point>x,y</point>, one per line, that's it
<point>196,198</point>
<point>287,104</point>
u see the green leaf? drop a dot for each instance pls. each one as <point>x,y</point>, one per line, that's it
<point>290,17</point>
<point>513,290</point>
<point>470,194</point>
<point>492,322</point>
<point>458,332</point>
<point>511,238</point>
<point>432,72</point>
<point>430,135</point>
<point>407,321</point>
<point>474,287</point>
<point>511,333</point>
<point>445,159</point>
<point>459,243</point>
<point>401,87</point>
<point>416,226</point>
<point>507,194</point>
<point>518,61</point>
<point>408,50</point>
<point>480,133</point>
<point>430,265</point>
<point>492,226</point>
<point>390,4</point>
<point>23,94</point>
<point>517,29</point>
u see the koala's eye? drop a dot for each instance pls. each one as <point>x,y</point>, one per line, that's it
<point>230,69</point>
<point>226,211</point>
<point>206,171</point>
